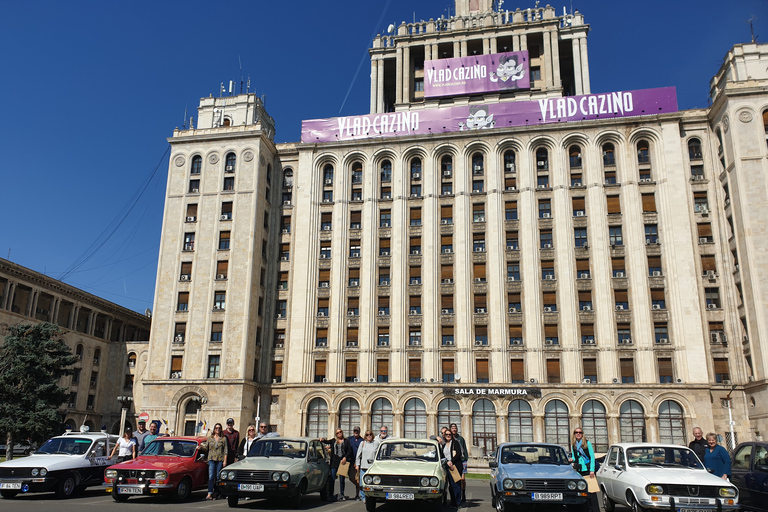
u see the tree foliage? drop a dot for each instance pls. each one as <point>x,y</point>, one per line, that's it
<point>32,360</point>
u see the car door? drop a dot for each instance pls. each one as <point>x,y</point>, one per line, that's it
<point>316,464</point>
<point>740,464</point>
<point>757,478</point>
<point>97,461</point>
<point>200,469</point>
<point>608,471</point>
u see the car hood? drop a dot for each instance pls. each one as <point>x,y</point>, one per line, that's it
<point>537,471</point>
<point>50,462</point>
<point>154,462</point>
<point>267,463</point>
<point>405,468</point>
<point>678,476</point>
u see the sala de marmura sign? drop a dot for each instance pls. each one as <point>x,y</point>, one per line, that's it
<point>523,392</point>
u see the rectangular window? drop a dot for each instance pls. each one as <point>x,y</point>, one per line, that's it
<point>415,245</point>
<point>415,217</point>
<point>579,209</point>
<point>446,369</point>
<point>354,277</point>
<point>414,337</point>
<point>355,221</point>
<point>217,331</point>
<point>414,370</point>
<point>510,210</point>
<point>553,371</point>
<point>447,336</point>
<point>582,269</point>
<point>219,300</point>
<point>614,205</point>
<point>512,241</point>
<point>478,212</point>
<point>481,332</point>
<point>590,370</point>
<point>614,236</point>
<point>649,203</point>
<point>222,270</point>
<point>194,186</point>
<point>176,366</point>
<point>627,367</point>
<point>545,209</point>
<point>481,369</point>
<point>665,370</point>
<point>384,247</point>
<point>191,213</point>
<point>516,335</point>
<point>224,241</point>
<point>385,218</point>
<point>277,372</point>
<point>354,248</point>
<point>214,367</point>
<point>386,192</point>
<point>383,276</point>
<point>651,234</point>
<point>383,337</point>
<point>478,272</point>
<point>320,370</point>
<point>382,370</point>
<point>226,212</point>
<point>321,338</point>
<point>189,241</point>
<point>183,303</point>
<point>229,183</point>
<point>545,238</point>
<point>326,221</point>
<point>517,371</point>
<point>587,334</point>
<point>617,266</point>
<point>580,237</point>
<point>180,332</point>
<point>722,372</point>
<point>446,214</point>
<point>350,370</point>
<point>713,298</point>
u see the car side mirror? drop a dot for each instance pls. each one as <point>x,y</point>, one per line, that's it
<point>200,457</point>
<point>493,464</point>
<point>312,458</point>
<point>618,467</point>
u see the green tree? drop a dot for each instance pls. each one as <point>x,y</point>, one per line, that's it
<point>32,360</point>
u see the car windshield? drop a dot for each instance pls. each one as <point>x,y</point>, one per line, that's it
<point>408,450</point>
<point>275,447</point>
<point>666,456</point>
<point>66,445</point>
<point>532,454</point>
<point>173,448</point>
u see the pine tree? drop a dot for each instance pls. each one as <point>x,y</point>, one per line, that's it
<point>32,360</point>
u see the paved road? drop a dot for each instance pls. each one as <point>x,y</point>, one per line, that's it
<point>95,499</point>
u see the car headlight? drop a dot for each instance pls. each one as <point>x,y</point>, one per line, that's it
<point>223,475</point>
<point>231,475</point>
<point>376,480</point>
<point>571,485</point>
<point>161,475</point>
<point>43,471</point>
<point>654,489</point>
<point>519,484</point>
<point>582,485</point>
<point>110,473</point>
<point>285,476</point>
<point>424,481</point>
<point>276,476</point>
<point>434,481</point>
<point>35,472</point>
<point>727,492</point>
<point>367,479</point>
<point>508,484</point>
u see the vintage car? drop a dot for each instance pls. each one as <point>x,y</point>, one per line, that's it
<point>168,465</point>
<point>749,473</point>
<point>406,470</point>
<point>64,464</point>
<point>18,449</point>
<point>278,467</point>
<point>529,473</point>
<point>661,476</point>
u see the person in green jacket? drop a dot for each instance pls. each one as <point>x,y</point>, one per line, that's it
<point>464,455</point>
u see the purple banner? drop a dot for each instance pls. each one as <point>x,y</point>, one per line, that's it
<point>608,105</point>
<point>475,74</point>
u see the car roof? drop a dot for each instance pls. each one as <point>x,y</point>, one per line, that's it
<point>407,440</point>
<point>647,445</point>
<point>548,445</point>
<point>94,435</point>
<point>198,439</point>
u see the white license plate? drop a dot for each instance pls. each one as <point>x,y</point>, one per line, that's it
<point>251,487</point>
<point>681,509</point>
<point>130,490</point>
<point>399,496</point>
<point>547,496</point>
<point>11,485</point>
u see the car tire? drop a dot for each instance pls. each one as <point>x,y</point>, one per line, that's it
<point>370,504</point>
<point>183,490</point>
<point>634,505</point>
<point>501,505</point>
<point>67,486</point>
<point>8,494</point>
<point>325,492</point>
<point>120,498</point>
<point>437,505</point>
<point>232,501</point>
<point>608,504</point>
<point>296,500</point>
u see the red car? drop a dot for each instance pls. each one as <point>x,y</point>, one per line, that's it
<point>171,465</point>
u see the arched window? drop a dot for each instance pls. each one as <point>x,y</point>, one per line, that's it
<point>520,422</point>
<point>97,356</point>
<point>765,124</point>
<point>132,360</point>
<point>288,178</point>
<point>542,159</point>
<point>79,352</point>
<point>643,152</point>
<point>595,424</point>
<point>349,415</point>
<point>574,157</point>
<point>197,165</point>
<point>694,149</point>
<point>609,155</point>
<point>484,425</point>
<point>386,171</point>
<point>477,164</point>
<point>446,166</point>
<point>269,174</point>
<point>671,423</point>
<point>509,161</point>
<point>192,407</point>
<point>227,122</point>
<point>357,173</point>
<point>70,424</point>
<point>328,174</point>
<point>317,418</point>
<point>556,424</point>
<point>632,422</point>
<point>230,163</point>
<point>448,412</point>
<point>381,414</point>
<point>416,169</point>
<point>415,419</point>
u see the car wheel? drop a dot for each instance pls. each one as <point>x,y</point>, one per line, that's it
<point>608,504</point>
<point>8,494</point>
<point>325,492</point>
<point>119,497</point>
<point>183,489</point>
<point>501,505</point>
<point>66,487</point>
<point>370,504</point>
<point>437,505</point>
<point>296,500</point>
<point>232,501</point>
<point>634,505</point>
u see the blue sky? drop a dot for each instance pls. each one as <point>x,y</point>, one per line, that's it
<point>92,89</point>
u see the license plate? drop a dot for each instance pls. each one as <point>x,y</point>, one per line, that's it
<point>693,510</point>
<point>130,490</point>
<point>251,487</point>
<point>547,496</point>
<point>11,485</point>
<point>399,496</point>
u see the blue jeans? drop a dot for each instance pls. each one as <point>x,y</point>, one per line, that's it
<point>342,481</point>
<point>214,468</point>
<point>360,479</point>
<point>455,489</point>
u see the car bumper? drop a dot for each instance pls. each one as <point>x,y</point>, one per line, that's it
<point>29,484</point>
<point>527,497</point>
<point>384,492</point>
<point>270,489</point>
<point>684,504</point>
<point>138,489</point>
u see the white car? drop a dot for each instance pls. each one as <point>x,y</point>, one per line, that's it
<point>647,476</point>
<point>64,465</point>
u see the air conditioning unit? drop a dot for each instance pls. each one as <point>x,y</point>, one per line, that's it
<point>447,281</point>
<point>615,380</point>
<point>445,311</point>
<point>191,219</point>
<point>711,306</point>
<point>513,310</point>
<point>279,315</point>
<point>679,381</point>
<point>179,338</point>
<point>229,168</point>
<point>542,187</point>
<point>416,176</point>
<point>510,166</point>
<point>549,342</point>
<point>587,381</point>
<point>576,184</point>
<point>185,277</point>
<point>382,312</point>
<point>645,180</point>
<point>284,231</point>
<point>619,274</point>
<point>444,221</point>
<point>325,284</point>
<point>626,341</point>
<point>516,342</point>
<point>549,277</point>
<point>588,341</point>
<point>194,190</point>
<point>704,211</point>
<point>478,279</point>
<point>541,163</point>
<point>480,219</point>
<point>698,177</point>
<point>416,252</point>
<point>221,276</point>
<point>580,213</point>
<point>351,313</point>
<point>354,254</point>
<point>656,306</point>
<point>546,215</point>
<point>448,251</point>
<point>448,343</point>
<point>619,307</point>
<point>446,174</point>
<point>353,283</point>
<point>711,274</point>
<point>584,275</point>
<point>414,311</point>
<point>726,382</point>
<point>189,247</point>
<point>384,283</point>
<point>479,249</point>
<point>413,196</point>
<point>547,246</point>
<point>663,341</point>
<point>415,281</point>
<point>510,279</point>
<point>326,227</point>
<point>224,217</point>
<point>329,181</point>
<point>481,311</point>
<point>587,307</point>
<point>355,380</point>
<point>324,256</point>
<point>657,273</point>
<point>547,309</point>
<point>285,258</point>
<point>325,379</point>
<point>321,313</point>
<point>511,188</point>
<point>477,168</point>
<point>702,240</point>
<point>274,381</point>
<point>384,253</point>
<point>384,224</point>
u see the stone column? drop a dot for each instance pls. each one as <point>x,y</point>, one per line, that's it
<point>652,427</point>
<point>32,305</point>
<point>547,66</point>
<point>399,75</point>
<point>456,49</point>
<point>494,46</point>
<point>538,427</point>
<point>555,49</point>
<point>463,48</point>
<point>613,429</point>
<point>501,426</point>
<point>374,85</point>
<point>487,46</point>
<point>55,310</point>
<point>380,86</point>
<point>578,88</point>
<point>523,42</point>
<point>584,65</point>
<point>432,426</point>
<point>516,43</point>
<point>406,74</point>
<point>398,426</point>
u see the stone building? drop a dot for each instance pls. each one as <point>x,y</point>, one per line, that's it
<point>110,341</point>
<point>519,258</point>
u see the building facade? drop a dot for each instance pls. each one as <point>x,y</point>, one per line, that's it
<point>517,280</point>
<point>110,341</point>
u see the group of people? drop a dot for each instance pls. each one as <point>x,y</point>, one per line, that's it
<point>132,443</point>
<point>715,457</point>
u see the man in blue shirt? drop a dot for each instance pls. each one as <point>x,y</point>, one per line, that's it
<point>355,441</point>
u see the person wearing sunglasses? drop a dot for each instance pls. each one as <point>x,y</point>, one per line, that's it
<point>583,456</point>
<point>245,444</point>
<point>365,455</point>
<point>452,452</point>
<point>383,433</point>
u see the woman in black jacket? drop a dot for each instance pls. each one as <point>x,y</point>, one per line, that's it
<point>341,453</point>
<point>452,451</point>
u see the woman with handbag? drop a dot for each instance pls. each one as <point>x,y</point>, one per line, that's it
<point>452,452</point>
<point>341,453</point>
<point>366,452</point>
<point>583,457</point>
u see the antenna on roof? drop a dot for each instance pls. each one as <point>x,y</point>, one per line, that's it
<point>241,73</point>
<point>184,121</point>
<point>248,85</point>
<point>752,29</point>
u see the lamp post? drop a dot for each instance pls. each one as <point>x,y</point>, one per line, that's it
<point>203,400</point>
<point>125,403</point>
<point>729,403</point>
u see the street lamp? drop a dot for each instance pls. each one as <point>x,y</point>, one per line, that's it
<point>729,403</point>
<point>125,403</point>
<point>203,400</point>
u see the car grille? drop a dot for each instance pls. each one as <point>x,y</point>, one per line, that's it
<point>136,473</point>
<point>545,485</point>
<point>253,476</point>
<point>15,472</point>
<point>408,481</point>
<point>701,491</point>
